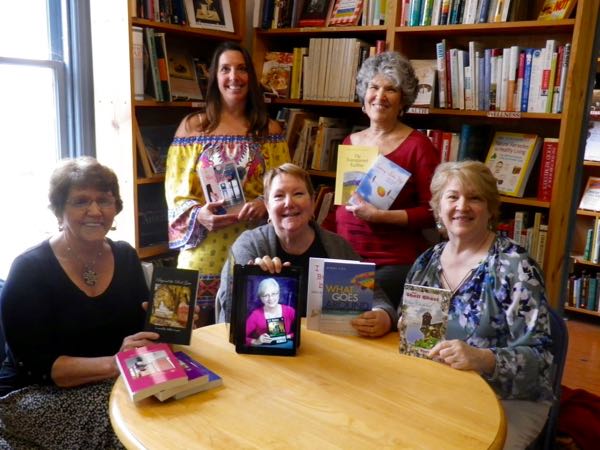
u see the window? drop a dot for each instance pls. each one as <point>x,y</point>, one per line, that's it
<point>47,102</point>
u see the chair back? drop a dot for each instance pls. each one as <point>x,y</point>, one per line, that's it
<point>560,344</point>
<point>2,339</point>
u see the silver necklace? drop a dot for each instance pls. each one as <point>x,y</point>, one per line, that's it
<point>89,274</point>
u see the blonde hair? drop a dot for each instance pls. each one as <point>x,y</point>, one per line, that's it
<point>290,169</point>
<point>469,174</point>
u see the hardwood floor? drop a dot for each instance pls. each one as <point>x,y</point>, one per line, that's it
<point>582,369</point>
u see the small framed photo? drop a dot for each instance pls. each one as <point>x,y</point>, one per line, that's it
<point>266,310</point>
<point>211,14</point>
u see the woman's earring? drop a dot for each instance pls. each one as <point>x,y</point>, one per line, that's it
<point>439,225</point>
<point>113,227</point>
<point>364,109</point>
<point>60,227</point>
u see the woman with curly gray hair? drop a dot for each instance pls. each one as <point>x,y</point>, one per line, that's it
<point>387,86</point>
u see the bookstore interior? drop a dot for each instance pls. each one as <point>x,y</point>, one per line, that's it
<point>514,84</point>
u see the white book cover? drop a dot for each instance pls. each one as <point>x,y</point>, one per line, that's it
<point>137,49</point>
<point>425,72</point>
<point>591,195</point>
<point>592,145</point>
<point>382,183</point>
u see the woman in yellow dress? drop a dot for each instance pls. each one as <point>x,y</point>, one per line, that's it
<point>233,128</point>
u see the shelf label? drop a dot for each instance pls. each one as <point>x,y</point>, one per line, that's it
<point>198,104</point>
<point>418,110</point>
<point>505,114</point>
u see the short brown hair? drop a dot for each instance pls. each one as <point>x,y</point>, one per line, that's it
<point>83,172</point>
<point>290,169</point>
<point>472,174</point>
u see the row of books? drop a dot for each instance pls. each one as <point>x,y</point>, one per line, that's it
<point>454,12</point>
<point>510,156</point>
<point>165,71</point>
<point>591,251</point>
<point>271,14</point>
<point>502,79</point>
<point>155,370</point>
<point>529,231</point>
<point>583,291</point>
<point>213,15</point>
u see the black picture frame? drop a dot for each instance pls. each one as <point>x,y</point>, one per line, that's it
<point>248,322</point>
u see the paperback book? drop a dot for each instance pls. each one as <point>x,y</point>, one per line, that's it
<point>425,71</point>
<point>200,379</point>
<point>511,157</point>
<point>348,289</point>
<point>424,318</point>
<point>149,370</point>
<point>382,183</point>
<point>171,307</point>
<point>591,195</point>
<point>353,162</point>
<point>276,73</point>
<point>222,182</point>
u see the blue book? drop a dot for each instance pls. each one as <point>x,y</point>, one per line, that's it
<point>348,289</point>
<point>382,183</point>
<point>487,78</point>
<point>526,79</point>
<point>483,13</point>
<point>415,13</point>
<point>592,293</point>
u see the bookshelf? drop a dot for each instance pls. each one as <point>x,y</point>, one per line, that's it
<point>150,211</point>
<point>584,268</point>
<point>419,43</point>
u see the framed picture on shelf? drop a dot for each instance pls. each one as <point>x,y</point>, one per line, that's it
<point>211,14</point>
<point>266,310</point>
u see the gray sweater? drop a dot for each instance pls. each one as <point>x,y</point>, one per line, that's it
<point>262,241</point>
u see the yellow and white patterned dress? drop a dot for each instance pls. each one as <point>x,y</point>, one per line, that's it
<point>199,249</point>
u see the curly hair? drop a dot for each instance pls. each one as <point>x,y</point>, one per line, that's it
<point>394,67</point>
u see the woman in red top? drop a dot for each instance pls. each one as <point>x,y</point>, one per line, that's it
<point>387,86</point>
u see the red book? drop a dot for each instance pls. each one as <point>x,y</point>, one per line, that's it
<point>547,169</point>
<point>149,370</point>
<point>315,13</point>
<point>436,138</point>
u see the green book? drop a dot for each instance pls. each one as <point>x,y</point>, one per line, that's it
<point>589,237</point>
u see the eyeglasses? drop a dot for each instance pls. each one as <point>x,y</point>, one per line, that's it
<point>271,295</point>
<point>82,203</point>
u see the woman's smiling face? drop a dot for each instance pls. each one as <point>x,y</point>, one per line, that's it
<point>290,205</point>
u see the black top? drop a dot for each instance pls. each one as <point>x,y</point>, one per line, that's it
<point>45,315</point>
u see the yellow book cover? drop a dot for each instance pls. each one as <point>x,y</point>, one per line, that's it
<point>353,162</point>
<point>510,158</point>
<point>556,9</point>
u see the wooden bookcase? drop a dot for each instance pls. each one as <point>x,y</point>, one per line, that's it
<point>148,195</point>
<point>419,43</point>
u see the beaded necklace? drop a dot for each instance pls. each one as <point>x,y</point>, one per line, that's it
<point>89,274</point>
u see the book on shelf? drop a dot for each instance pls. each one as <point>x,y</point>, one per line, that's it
<point>591,195</point>
<point>137,56</point>
<point>161,61</point>
<point>556,9</point>
<point>315,13</point>
<point>423,320</point>
<point>154,87</point>
<point>199,379</point>
<point>592,143</point>
<point>171,307</point>
<point>213,15</point>
<point>221,182</point>
<point>182,74</point>
<point>473,142</point>
<point>340,291</point>
<point>547,169</point>
<point>149,370</point>
<point>425,70</point>
<point>276,73</point>
<point>154,142</point>
<point>353,162</point>
<point>331,131</point>
<point>510,158</point>
<point>345,13</point>
<point>382,183</point>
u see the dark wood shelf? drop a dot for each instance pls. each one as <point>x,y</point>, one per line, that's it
<point>203,33</point>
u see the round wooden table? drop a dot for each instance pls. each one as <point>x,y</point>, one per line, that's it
<point>338,392</point>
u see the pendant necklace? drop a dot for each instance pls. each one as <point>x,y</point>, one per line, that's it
<point>89,274</point>
<point>467,275</point>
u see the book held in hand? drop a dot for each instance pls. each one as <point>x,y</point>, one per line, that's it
<point>382,183</point>
<point>200,379</point>
<point>171,307</point>
<point>424,319</point>
<point>222,182</point>
<point>149,370</point>
<point>348,289</point>
<point>353,162</point>
<point>510,158</point>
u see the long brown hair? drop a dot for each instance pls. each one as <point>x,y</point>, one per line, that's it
<point>255,111</point>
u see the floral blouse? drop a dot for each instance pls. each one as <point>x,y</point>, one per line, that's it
<point>501,306</point>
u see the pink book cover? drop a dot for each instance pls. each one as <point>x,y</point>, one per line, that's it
<point>151,369</point>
